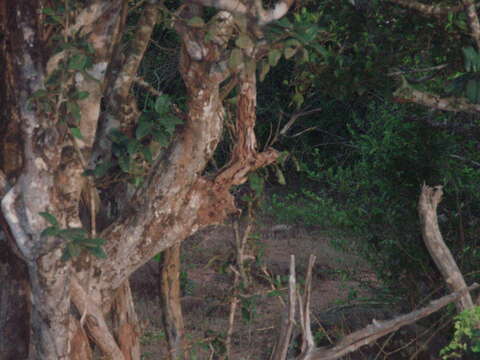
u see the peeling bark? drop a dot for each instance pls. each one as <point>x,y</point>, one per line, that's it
<point>171,307</point>
<point>80,346</point>
<point>47,173</point>
<point>125,323</point>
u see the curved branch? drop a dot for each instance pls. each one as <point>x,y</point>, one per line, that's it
<point>455,104</point>
<point>428,10</point>
<point>378,329</point>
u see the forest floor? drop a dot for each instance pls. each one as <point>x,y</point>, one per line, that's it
<point>341,292</point>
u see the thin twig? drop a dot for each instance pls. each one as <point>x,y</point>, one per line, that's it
<point>281,348</point>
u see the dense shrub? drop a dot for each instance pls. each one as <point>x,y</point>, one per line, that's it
<point>371,188</point>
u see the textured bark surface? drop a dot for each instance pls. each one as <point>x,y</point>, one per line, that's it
<point>45,164</point>
<point>125,323</point>
<point>14,304</point>
<point>171,307</point>
<point>427,209</point>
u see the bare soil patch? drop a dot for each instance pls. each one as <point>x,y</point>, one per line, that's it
<point>207,283</point>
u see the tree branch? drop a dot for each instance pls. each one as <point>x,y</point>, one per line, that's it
<point>427,209</point>
<point>96,323</point>
<point>378,329</point>
<point>455,104</point>
<point>428,10</point>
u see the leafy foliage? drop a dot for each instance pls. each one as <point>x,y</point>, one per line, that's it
<point>372,190</point>
<point>466,337</point>
<point>77,239</point>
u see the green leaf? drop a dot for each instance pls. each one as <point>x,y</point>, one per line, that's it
<point>273,57</point>
<point>133,146</point>
<point>264,69</point>
<point>244,42</point>
<point>77,134</point>
<point>170,122</point>
<point>473,90</point>
<point>196,22</point>
<point>288,52</point>
<point>98,252</point>
<point>73,249</point>
<point>162,104</point>
<point>147,154</point>
<point>256,183</point>
<point>49,217</point>
<point>50,231</point>
<point>39,93</point>
<point>291,48</point>
<point>280,177</point>
<point>284,22</point>
<point>118,137</point>
<point>235,60</point>
<point>298,99</point>
<point>143,129</point>
<point>124,163</point>
<point>66,254</point>
<point>50,12</point>
<point>74,234</point>
<point>74,110</point>
<point>77,62</point>
<point>93,242</point>
<point>102,169</point>
<point>80,95</point>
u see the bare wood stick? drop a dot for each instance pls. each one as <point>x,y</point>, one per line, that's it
<point>427,209</point>
<point>231,317</point>
<point>141,82</point>
<point>281,348</point>
<point>428,10</point>
<point>455,104</point>
<point>378,329</point>
<point>308,344</point>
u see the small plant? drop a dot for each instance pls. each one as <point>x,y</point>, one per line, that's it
<point>466,336</point>
<point>77,239</point>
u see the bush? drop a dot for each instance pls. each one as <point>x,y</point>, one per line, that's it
<point>371,190</point>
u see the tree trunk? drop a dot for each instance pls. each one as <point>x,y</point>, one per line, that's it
<point>170,300</point>
<point>125,323</point>
<point>176,199</point>
<point>14,304</point>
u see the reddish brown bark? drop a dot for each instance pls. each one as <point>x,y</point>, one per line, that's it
<point>125,323</point>
<point>174,203</point>
<point>171,306</point>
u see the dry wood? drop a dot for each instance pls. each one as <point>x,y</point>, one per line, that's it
<point>281,347</point>
<point>231,316</point>
<point>427,209</point>
<point>308,343</point>
<point>378,329</point>
<point>454,104</point>
<point>428,10</point>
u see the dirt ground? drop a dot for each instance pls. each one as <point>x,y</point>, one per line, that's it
<point>339,279</point>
